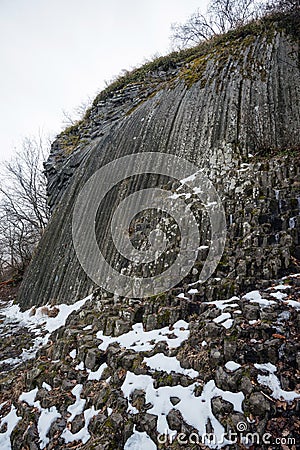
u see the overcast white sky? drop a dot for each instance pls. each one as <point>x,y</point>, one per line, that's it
<point>56,53</point>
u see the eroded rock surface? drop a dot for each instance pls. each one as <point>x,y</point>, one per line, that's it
<point>123,371</point>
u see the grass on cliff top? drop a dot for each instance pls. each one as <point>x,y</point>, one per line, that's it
<point>289,22</point>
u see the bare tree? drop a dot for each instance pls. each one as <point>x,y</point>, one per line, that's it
<point>23,204</point>
<point>197,28</point>
<point>73,117</point>
<point>221,16</point>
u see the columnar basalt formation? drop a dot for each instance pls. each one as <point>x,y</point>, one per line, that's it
<point>232,108</point>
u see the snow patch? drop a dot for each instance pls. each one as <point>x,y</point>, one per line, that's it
<point>196,411</point>
<point>293,304</point>
<point>80,366</point>
<point>222,304</point>
<point>76,408</point>
<point>232,366</point>
<point>278,295</point>
<point>193,291</point>
<point>37,321</point>
<point>272,382</point>
<point>83,434</point>
<point>98,373</point>
<point>168,364</point>
<point>255,297</point>
<point>47,415</point>
<point>279,287</point>
<point>10,420</point>
<point>222,317</point>
<point>73,353</point>
<point>228,323</point>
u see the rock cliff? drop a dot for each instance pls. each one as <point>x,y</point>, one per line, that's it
<point>231,107</point>
<point>201,365</point>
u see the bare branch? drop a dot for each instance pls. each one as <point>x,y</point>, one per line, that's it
<point>23,208</point>
<point>221,16</point>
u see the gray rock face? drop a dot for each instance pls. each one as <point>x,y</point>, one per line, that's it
<point>140,387</point>
<point>259,404</point>
<point>215,111</point>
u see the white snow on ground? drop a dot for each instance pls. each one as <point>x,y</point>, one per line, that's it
<point>278,295</point>
<point>222,317</point>
<point>76,408</point>
<point>73,353</point>
<point>281,296</point>
<point>98,373</point>
<point>197,190</point>
<point>272,382</point>
<point>80,366</point>
<point>29,397</point>
<point>47,415</point>
<point>11,420</point>
<point>222,304</point>
<point>33,318</point>
<point>227,324</point>
<point>37,321</point>
<point>46,386</point>
<point>295,275</point>
<point>280,287</point>
<point>140,340</point>
<point>83,434</point>
<point>196,411</point>
<point>232,366</point>
<point>181,295</point>
<point>225,320</point>
<point>267,367</point>
<point>139,441</point>
<point>193,291</point>
<point>168,364</point>
<point>27,354</point>
<point>189,178</point>
<point>284,316</point>
<point>255,296</point>
<point>293,303</point>
<point>184,195</point>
